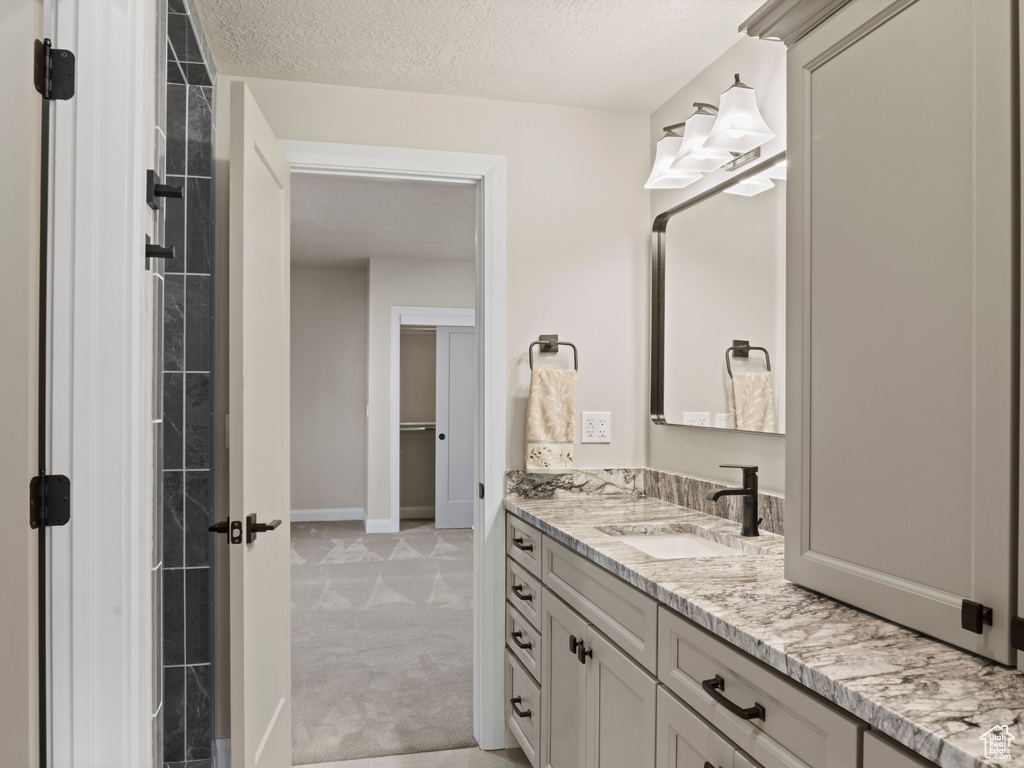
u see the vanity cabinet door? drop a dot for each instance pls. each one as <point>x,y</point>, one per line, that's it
<point>563,687</point>
<point>621,701</point>
<point>901,249</point>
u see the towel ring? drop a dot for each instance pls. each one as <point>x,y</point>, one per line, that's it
<point>743,350</point>
<point>549,343</point>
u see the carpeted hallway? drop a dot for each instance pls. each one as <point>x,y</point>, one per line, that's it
<point>382,640</point>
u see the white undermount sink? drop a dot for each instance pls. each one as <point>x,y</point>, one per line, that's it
<point>672,541</point>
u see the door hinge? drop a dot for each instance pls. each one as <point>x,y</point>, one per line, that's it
<point>54,71</point>
<point>49,500</point>
<point>481,490</point>
<point>1017,633</point>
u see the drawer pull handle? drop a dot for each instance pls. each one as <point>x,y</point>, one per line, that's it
<point>519,712</point>
<point>708,765</point>
<point>515,639</point>
<point>519,544</point>
<point>716,684</point>
<point>582,653</point>
<point>518,589</point>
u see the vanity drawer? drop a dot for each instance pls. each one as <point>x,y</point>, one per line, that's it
<point>522,708</point>
<point>685,740</point>
<point>523,640</point>
<point>523,591</point>
<point>798,728</point>
<point>880,752</point>
<point>522,543</point>
<point>623,613</point>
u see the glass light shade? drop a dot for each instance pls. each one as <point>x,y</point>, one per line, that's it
<point>739,126</point>
<point>751,187</point>
<point>662,176</point>
<point>693,155</point>
<point>777,171</point>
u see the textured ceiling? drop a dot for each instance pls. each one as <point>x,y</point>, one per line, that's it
<point>628,55</point>
<point>342,221</point>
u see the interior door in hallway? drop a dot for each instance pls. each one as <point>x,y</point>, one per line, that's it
<point>456,409</point>
<point>259,445</point>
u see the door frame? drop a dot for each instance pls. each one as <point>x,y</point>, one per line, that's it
<point>400,316</point>
<point>488,171</point>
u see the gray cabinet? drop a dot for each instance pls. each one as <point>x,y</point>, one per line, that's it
<point>902,235</point>
<point>880,752</point>
<point>563,688</point>
<point>597,704</point>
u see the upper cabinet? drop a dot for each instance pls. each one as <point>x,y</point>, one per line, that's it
<point>903,313</point>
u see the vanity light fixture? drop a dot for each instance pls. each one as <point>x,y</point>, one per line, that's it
<point>693,154</point>
<point>662,175</point>
<point>739,126</point>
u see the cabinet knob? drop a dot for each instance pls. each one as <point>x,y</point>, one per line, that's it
<point>582,653</point>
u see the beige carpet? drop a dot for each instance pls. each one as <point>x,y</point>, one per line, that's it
<point>382,641</point>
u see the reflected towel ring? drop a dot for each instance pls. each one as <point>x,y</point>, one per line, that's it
<point>743,350</point>
<point>546,344</point>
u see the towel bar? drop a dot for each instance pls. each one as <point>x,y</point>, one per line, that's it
<point>742,348</point>
<point>550,343</point>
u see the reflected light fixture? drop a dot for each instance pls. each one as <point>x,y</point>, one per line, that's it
<point>739,126</point>
<point>693,155</point>
<point>752,186</point>
<point>662,175</point>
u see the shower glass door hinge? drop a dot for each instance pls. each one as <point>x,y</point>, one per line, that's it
<point>1017,633</point>
<point>54,71</point>
<point>49,500</point>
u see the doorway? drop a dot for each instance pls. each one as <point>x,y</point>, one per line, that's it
<point>381,607</point>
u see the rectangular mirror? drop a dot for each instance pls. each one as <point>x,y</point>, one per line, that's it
<point>718,329</point>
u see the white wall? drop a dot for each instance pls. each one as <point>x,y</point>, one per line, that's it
<point>577,243</point>
<point>19,221</point>
<point>329,359</point>
<point>761,65</point>
<point>400,282</point>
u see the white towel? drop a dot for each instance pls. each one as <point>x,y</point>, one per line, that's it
<point>753,401</point>
<point>551,421</point>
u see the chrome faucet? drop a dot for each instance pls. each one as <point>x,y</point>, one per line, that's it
<point>749,493</point>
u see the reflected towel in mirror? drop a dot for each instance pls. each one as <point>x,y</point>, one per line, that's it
<point>551,421</point>
<point>753,401</point>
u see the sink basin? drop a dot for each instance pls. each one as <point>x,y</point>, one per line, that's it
<point>672,541</point>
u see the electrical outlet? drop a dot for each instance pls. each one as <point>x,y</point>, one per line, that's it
<point>697,418</point>
<point>597,427</point>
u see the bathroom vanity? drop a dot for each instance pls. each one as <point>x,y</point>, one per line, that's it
<point>616,657</point>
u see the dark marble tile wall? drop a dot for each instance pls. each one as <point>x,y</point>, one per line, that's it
<point>187,641</point>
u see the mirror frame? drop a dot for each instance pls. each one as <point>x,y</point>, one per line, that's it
<point>658,241</point>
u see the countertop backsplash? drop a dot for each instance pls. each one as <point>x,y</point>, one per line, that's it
<point>673,487</point>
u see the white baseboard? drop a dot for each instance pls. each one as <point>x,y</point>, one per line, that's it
<point>222,753</point>
<point>380,526</point>
<point>416,513</point>
<point>319,515</point>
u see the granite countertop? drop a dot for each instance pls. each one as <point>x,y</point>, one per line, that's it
<point>935,699</point>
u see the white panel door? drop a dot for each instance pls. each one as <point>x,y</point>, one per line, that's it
<point>259,440</point>
<point>454,487</point>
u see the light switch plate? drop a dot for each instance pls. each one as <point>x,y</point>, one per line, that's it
<point>596,427</point>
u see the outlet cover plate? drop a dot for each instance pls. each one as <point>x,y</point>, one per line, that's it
<point>596,427</point>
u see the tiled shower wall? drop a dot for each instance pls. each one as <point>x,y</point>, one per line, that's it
<point>188,399</point>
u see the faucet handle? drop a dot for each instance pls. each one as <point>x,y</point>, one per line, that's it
<point>748,469</point>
